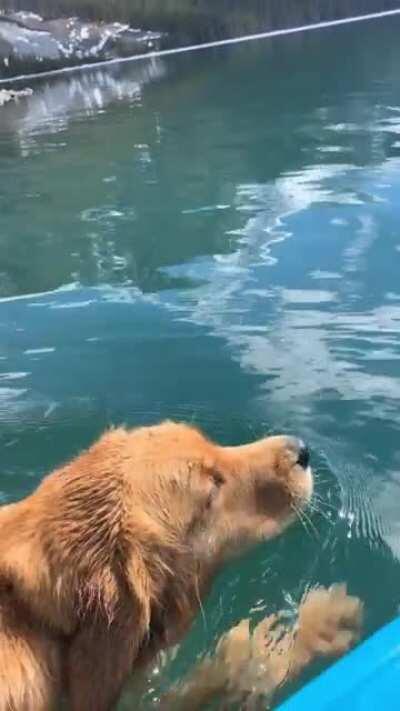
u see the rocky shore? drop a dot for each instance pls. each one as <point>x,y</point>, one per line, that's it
<point>30,44</point>
<point>104,30</point>
<point>7,95</point>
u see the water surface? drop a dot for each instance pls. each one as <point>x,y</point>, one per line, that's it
<point>216,238</point>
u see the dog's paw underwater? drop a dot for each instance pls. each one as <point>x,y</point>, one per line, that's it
<point>328,625</point>
<point>329,621</point>
<point>249,666</point>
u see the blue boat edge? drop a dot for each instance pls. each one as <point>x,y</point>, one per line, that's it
<point>366,679</point>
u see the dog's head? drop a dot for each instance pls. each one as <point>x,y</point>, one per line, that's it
<point>147,514</point>
<point>218,500</point>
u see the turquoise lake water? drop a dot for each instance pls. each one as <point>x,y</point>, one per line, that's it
<point>216,238</point>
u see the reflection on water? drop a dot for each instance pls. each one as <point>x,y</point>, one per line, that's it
<point>56,102</point>
<point>216,239</point>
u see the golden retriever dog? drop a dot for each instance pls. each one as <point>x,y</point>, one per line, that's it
<point>106,563</point>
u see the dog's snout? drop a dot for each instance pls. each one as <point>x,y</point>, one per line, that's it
<point>304,455</point>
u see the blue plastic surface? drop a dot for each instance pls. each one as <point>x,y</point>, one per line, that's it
<point>367,679</point>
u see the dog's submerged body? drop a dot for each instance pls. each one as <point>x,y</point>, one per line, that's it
<point>106,563</point>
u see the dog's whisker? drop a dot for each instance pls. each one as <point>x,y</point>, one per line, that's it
<point>303,519</point>
<point>307,517</point>
<point>316,495</point>
<point>320,506</point>
<point>198,596</point>
<point>299,516</point>
<point>326,504</point>
<point>321,480</point>
<point>322,513</point>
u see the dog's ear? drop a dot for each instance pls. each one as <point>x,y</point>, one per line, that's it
<point>30,666</point>
<point>25,573</point>
<point>25,568</point>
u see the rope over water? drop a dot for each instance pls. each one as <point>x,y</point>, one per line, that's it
<point>208,45</point>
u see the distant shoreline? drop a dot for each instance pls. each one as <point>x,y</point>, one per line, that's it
<point>104,39</point>
<point>192,21</point>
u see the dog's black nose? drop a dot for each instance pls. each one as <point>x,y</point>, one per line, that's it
<point>304,456</point>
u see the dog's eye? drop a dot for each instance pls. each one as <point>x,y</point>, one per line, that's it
<point>218,479</point>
